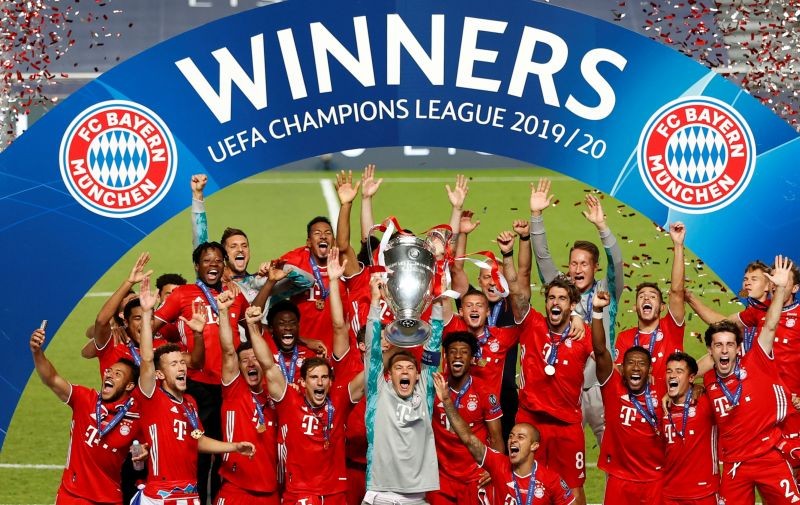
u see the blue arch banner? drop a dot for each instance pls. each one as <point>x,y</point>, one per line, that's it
<point>292,80</point>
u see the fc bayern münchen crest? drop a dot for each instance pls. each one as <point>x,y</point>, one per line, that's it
<point>118,159</point>
<point>696,154</point>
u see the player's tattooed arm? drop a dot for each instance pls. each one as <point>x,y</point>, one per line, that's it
<point>602,356</point>
<point>476,448</point>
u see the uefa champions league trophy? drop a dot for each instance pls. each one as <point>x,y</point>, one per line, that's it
<point>411,267</point>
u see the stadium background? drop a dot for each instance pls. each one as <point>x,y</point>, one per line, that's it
<point>273,208</point>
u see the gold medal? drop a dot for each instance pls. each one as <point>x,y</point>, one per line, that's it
<point>327,445</point>
<point>261,428</point>
<point>728,408</point>
<point>482,362</point>
<point>320,304</point>
<point>197,433</point>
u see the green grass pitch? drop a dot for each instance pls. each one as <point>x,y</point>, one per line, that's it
<point>273,208</point>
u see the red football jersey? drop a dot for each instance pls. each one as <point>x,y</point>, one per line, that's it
<point>631,448</point>
<point>348,366</point>
<point>476,406</point>
<point>787,341</point>
<point>284,359</point>
<point>669,339</point>
<point>94,462</point>
<point>167,428</point>
<point>558,395</point>
<point>312,465</point>
<point>548,487</point>
<point>489,367</point>
<point>240,422</point>
<point>691,470</point>
<point>750,429</point>
<point>315,322</point>
<point>360,296</point>
<point>356,433</point>
<point>180,303</point>
<point>111,353</point>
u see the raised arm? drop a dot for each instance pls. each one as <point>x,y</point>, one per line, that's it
<point>781,277</point>
<point>276,382</point>
<point>457,195</point>
<point>369,186</point>
<point>458,277</point>
<point>520,299</point>
<point>476,448</point>
<point>615,274</point>
<point>706,313</point>
<point>46,370</point>
<point>540,200</point>
<point>147,370</point>
<point>199,220</point>
<point>347,193</point>
<point>196,357</point>
<point>523,230</point>
<point>341,334</point>
<point>230,363</point>
<point>274,273</point>
<point>102,323</point>
<point>677,231</point>
<point>602,356</point>
<point>373,357</point>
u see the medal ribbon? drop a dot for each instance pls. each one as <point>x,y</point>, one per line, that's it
<point>191,414</point>
<point>209,297</point>
<point>531,487</point>
<point>326,431</point>
<point>686,402</point>
<point>587,315</point>
<point>462,392</point>
<point>318,278</point>
<point>749,336</point>
<point>494,314</point>
<point>554,345</point>
<point>648,411</point>
<point>652,344</point>
<point>259,409</point>
<point>134,353</point>
<point>121,411</point>
<point>482,341</point>
<point>733,398</point>
<point>289,374</point>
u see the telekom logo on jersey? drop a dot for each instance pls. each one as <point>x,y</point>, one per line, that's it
<point>179,427</point>
<point>310,424</point>
<point>399,36</point>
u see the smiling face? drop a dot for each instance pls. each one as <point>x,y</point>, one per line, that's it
<point>317,384</point>
<point>459,359</point>
<point>285,330</point>
<point>679,379</point>
<point>488,285</point>
<point>171,370</point>
<point>474,311</point>
<point>582,269</point>
<point>320,239</point>
<point>404,375</point>
<point>250,369</point>
<point>648,304</point>
<point>558,307</point>
<point>238,249</point>
<point>636,370</point>
<point>723,351</point>
<point>117,380</point>
<point>209,266</point>
<point>522,444</point>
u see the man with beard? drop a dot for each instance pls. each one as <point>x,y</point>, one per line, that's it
<point>103,427</point>
<point>518,478</point>
<point>632,451</point>
<point>584,262</point>
<point>661,336</point>
<point>205,385</point>
<point>170,419</point>
<point>248,413</point>
<point>691,470</point>
<point>461,481</point>
<point>750,401</point>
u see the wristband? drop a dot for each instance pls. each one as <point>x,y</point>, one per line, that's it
<point>597,315</point>
<point>508,254</point>
<point>525,238</point>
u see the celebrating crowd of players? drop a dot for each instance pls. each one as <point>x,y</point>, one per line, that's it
<point>279,387</point>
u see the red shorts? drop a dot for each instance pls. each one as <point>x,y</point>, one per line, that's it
<point>314,499</point>
<point>456,492</point>
<point>562,445</point>
<point>770,473</point>
<point>64,497</point>
<point>356,483</point>
<point>626,492</point>
<point>708,500</point>
<point>230,494</point>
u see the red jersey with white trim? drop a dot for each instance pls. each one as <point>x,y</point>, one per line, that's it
<point>787,341</point>
<point>557,395</point>
<point>315,322</point>
<point>631,448</point>
<point>669,339</point>
<point>691,469</point>
<point>494,347</point>
<point>751,428</point>
<point>240,421</point>
<point>310,466</point>
<point>548,488</point>
<point>94,462</point>
<point>168,429</point>
<point>284,359</point>
<point>476,406</point>
<point>348,366</point>
<point>360,296</point>
<point>180,303</point>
